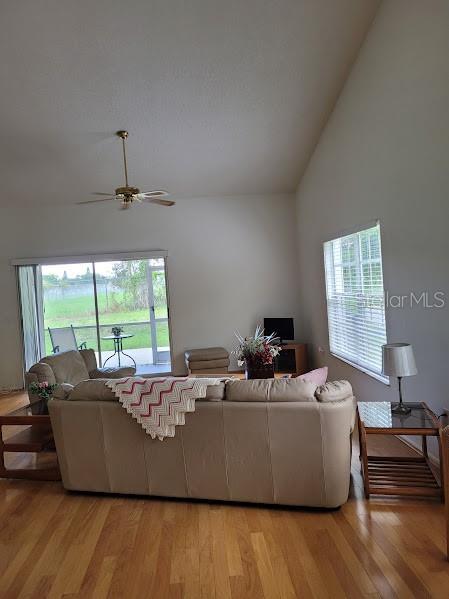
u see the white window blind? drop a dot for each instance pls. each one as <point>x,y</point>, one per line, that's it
<point>355,299</point>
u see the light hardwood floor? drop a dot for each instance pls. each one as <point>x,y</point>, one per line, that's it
<point>55,544</point>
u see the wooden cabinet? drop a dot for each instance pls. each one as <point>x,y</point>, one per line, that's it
<point>298,353</point>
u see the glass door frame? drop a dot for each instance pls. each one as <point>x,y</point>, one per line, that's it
<point>154,320</point>
<point>93,258</point>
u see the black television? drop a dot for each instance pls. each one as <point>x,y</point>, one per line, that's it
<point>282,327</point>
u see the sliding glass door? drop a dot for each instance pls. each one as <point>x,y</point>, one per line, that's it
<point>68,306</point>
<point>118,308</point>
<point>123,302</point>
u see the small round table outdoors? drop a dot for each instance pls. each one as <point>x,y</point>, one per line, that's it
<point>118,347</point>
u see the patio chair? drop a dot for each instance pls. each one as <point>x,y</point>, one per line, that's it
<point>64,338</point>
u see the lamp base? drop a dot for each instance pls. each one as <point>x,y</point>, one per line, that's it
<point>400,409</point>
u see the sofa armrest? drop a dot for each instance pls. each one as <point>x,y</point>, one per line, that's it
<point>31,377</point>
<point>89,358</point>
<point>62,390</point>
<point>112,373</point>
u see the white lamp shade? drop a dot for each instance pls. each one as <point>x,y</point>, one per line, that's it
<point>398,360</point>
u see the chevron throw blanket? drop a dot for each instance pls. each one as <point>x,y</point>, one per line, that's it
<point>159,404</point>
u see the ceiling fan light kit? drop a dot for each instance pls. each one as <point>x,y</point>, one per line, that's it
<point>129,194</point>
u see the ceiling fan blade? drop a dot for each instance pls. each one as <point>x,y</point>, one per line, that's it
<point>95,201</point>
<point>160,202</point>
<point>155,192</point>
<point>96,193</point>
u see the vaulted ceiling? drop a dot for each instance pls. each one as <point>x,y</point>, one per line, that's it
<point>220,97</point>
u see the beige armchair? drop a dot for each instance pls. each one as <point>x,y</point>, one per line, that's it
<point>71,367</point>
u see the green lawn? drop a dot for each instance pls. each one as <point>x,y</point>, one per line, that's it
<point>80,310</point>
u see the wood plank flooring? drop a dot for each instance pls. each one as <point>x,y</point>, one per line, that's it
<point>56,544</point>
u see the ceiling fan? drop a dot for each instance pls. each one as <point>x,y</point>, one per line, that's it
<point>127,195</point>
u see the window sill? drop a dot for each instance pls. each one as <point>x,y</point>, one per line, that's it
<point>378,377</point>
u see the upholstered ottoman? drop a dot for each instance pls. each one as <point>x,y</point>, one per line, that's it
<point>207,360</point>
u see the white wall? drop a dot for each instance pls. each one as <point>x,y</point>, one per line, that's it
<point>385,154</point>
<point>231,262</point>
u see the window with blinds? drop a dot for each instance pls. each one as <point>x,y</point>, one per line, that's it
<point>355,299</point>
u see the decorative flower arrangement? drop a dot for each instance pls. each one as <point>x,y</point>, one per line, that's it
<point>257,351</point>
<point>117,331</point>
<point>43,390</point>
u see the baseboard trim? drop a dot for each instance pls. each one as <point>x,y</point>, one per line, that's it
<point>5,391</point>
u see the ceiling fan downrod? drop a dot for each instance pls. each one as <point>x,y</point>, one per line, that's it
<point>124,135</point>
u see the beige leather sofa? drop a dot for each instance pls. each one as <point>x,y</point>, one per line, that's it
<point>265,441</point>
<point>70,368</point>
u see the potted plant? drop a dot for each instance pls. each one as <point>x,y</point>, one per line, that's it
<point>257,353</point>
<point>43,390</point>
<point>117,331</point>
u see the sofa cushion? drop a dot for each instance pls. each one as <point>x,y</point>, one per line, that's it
<point>253,390</point>
<point>112,373</point>
<point>96,390</point>
<point>292,390</point>
<point>209,372</point>
<point>68,367</point>
<point>62,391</point>
<point>207,353</point>
<point>334,391</point>
<point>43,372</point>
<point>208,364</point>
<point>92,390</point>
<point>89,358</point>
<point>270,390</point>
<point>317,376</point>
<point>215,392</point>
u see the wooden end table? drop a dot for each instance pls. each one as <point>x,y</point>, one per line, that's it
<point>398,475</point>
<point>35,438</point>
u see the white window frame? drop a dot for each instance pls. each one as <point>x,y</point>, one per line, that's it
<point>352,355</point>
<point>138,255</point>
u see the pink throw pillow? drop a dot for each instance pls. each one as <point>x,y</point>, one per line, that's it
<point>317,376</point>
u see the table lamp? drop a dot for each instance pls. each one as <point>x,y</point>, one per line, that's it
<point>398,360</point>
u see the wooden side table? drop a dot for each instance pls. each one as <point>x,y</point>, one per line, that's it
<point>445,456</point>
<point>35,438</point>
<point>398,475</point>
